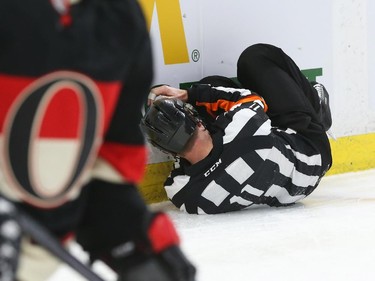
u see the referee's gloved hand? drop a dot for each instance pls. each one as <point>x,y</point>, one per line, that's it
<point>163,260</point>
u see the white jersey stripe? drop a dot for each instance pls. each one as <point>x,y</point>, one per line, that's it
<point>312,160</point>
<point>179,183</point>
<point>282,195</point>
<point>215,193</point>
<point>240,119</point>
<point>264,129</point>
<point>287,169</point>
<point>263,153</point>
<point>243,92</point>
<point>249,189</point>
<point>240,200</point>
<point>239,165</point>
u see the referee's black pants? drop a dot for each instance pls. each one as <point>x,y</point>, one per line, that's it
<point>291,99</point>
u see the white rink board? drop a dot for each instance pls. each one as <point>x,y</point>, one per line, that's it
<point>336,36</point>
<point>220,31</point>
<point>371,46</point>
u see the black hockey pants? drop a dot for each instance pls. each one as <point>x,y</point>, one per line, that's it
<point>292,101</point>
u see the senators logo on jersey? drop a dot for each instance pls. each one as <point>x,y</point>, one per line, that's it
<point>50,131</point>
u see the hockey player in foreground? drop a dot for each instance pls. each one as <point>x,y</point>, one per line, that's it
<point>242,148</point>
<point>73,79</point>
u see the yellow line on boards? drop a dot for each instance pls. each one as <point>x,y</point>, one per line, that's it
<point>353,153</point>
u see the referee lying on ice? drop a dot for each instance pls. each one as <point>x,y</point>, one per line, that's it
<point>238,147</point>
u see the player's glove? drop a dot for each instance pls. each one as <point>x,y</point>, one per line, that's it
<point>161,260</point>
<point>10,238</point>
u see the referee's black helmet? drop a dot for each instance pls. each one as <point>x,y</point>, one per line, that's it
<point>169,124</point>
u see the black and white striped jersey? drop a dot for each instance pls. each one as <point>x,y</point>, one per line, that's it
<point>251,163</point>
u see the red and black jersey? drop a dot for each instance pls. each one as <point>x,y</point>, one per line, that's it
<point>72,85</point>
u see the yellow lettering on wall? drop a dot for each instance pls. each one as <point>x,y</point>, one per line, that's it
<point>172,32</point>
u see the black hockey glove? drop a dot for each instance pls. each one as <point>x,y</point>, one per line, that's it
<point>10,239</point>
<point>161,260</point>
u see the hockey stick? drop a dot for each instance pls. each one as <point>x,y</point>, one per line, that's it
<point>42,236</point>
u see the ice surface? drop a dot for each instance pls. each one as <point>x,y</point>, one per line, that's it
<point>330,235</point>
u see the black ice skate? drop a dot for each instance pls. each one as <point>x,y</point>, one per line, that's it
<point>324,111</point>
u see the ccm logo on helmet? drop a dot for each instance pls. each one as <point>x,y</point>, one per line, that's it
<point>213,168</point>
